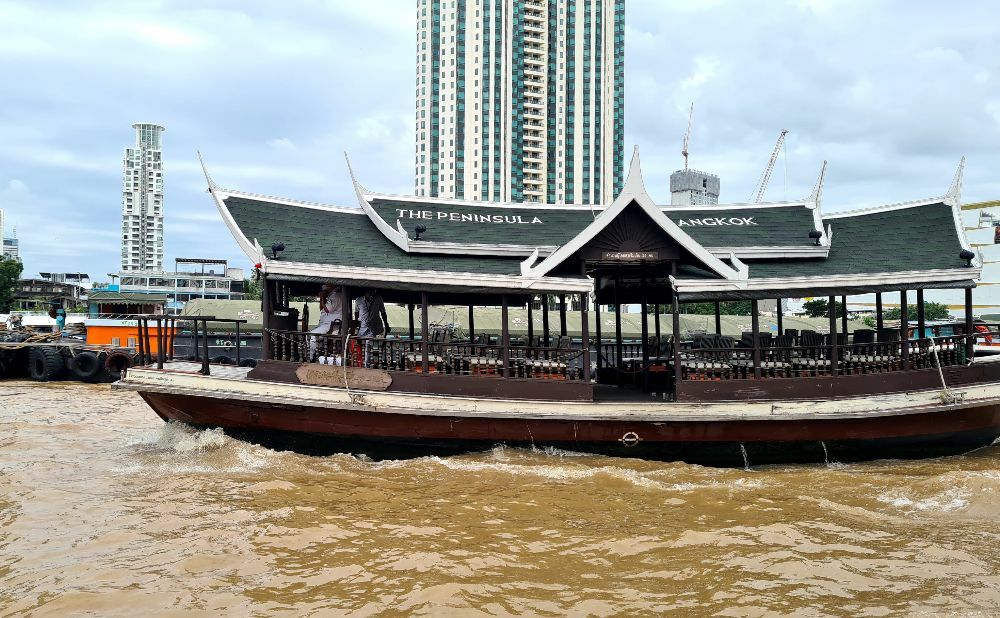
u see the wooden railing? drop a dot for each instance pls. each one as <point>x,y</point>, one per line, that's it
<point>448,358</point>
<point>821,359</point>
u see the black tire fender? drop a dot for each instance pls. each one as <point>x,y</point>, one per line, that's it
<point>86,366</point>
<point>45,364</point>
<point>116,363</point>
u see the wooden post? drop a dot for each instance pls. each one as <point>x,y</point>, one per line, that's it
<point>780,314</point>
<point>425,349</point>
<point>834,358</point>
<point>237,344</point>
<point>531,323</point>
<point>643,307</point>
<point>413,333</point>
<point>205,370</point>
<point>921,315</point>
<point>970,341</point>
<point>562,315</point>
<point>585,337</point>
<point>266,352</point>
<point>545,322</point>
<point>878,311</point>
<point>656,327</point>
<point>305,317</point>
<point>904,330</point>
<point>718,318</point>
<point>161,343</point>
<point>843,315</point>
<point>148,355</point>
<point>618,338</point>
<point>194,338</point>
<point>755,327</point>
<point>677,346</point>
<point>505,334</point>
<point>345,321</point>
<point>597,332</point>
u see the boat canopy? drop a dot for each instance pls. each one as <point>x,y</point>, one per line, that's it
<point>622,251</point>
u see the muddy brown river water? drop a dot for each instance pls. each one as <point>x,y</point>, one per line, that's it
<point>105,510</point>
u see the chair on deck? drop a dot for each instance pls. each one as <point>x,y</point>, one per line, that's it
<point>710,358</point>
<point>812,356</point>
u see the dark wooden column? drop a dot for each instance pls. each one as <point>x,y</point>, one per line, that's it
<point>904,330</point>
<point>347,316</point>
<point>413,333</point>
<point>781,315</point>
<point>597,333</point>
<point>562,315</point>
<point>585,336</point>
<point>755,327</point>
<point>472,324</point>
<point>656,325</point>
<point>843,314</point>
<point>834,352</point>
<point>879,324</point>
<point>676,327</point>
<point>545,322</point>
<point>618,338</point>
<point>531,322</point>
<point>425,349</point>
<point>644,329</point>
<point>505,334</point>
<point>970,341</point>
<point>266,351</point>
<point>921,315</point>
<point>718,318</point>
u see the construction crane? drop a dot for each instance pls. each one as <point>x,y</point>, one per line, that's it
<point>757,196</point>
<point>687,137</point>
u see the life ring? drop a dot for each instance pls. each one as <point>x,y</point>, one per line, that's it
<point>116,363</point>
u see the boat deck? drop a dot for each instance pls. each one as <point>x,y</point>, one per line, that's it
<point>230,372</point>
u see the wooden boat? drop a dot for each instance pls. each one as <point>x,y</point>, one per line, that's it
<point>700,397</point>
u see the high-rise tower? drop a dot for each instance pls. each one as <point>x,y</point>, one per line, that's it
<point>142,201</point>
<point>520,100</point>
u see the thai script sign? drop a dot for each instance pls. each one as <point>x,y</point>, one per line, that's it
<point>629,256</point>
<point>428,215</point>
<point>737,221</point>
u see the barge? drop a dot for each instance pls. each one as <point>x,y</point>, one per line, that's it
<point>766,397</point>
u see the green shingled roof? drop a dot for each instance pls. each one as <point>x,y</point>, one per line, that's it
<point>320,236</point>
<point>131,298</point>
<point>539,226</point>
<point>917,238</point>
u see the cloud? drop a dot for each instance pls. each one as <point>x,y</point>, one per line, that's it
<point>273,94</point>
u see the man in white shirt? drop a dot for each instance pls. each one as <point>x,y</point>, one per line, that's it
<point>372,319</point>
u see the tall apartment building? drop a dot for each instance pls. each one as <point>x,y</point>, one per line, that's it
<point>142,201</point>
<point>520,100</point>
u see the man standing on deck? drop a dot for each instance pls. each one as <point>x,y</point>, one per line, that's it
<point>371,317</point>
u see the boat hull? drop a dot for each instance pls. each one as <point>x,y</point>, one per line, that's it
<point>724,442</point>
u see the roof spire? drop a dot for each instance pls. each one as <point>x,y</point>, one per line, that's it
<point>211,183</point>
<point>634,183</point>
<point>954,196</point>
<point>816,197</point>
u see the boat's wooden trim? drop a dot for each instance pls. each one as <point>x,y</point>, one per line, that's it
<point>894,404</point>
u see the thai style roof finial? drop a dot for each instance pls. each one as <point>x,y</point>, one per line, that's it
<point>954,196</point>
<point>634,183</point>
<point>211,183</point>
<point>816,197</point>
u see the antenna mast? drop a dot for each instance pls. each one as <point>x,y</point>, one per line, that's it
<point>758,194</point>
<point>687,137</point>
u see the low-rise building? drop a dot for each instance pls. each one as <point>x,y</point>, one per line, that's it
<point>212,279</point>
<point>40,294</point>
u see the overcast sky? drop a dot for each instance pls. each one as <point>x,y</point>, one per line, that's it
<point>891,93</point>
